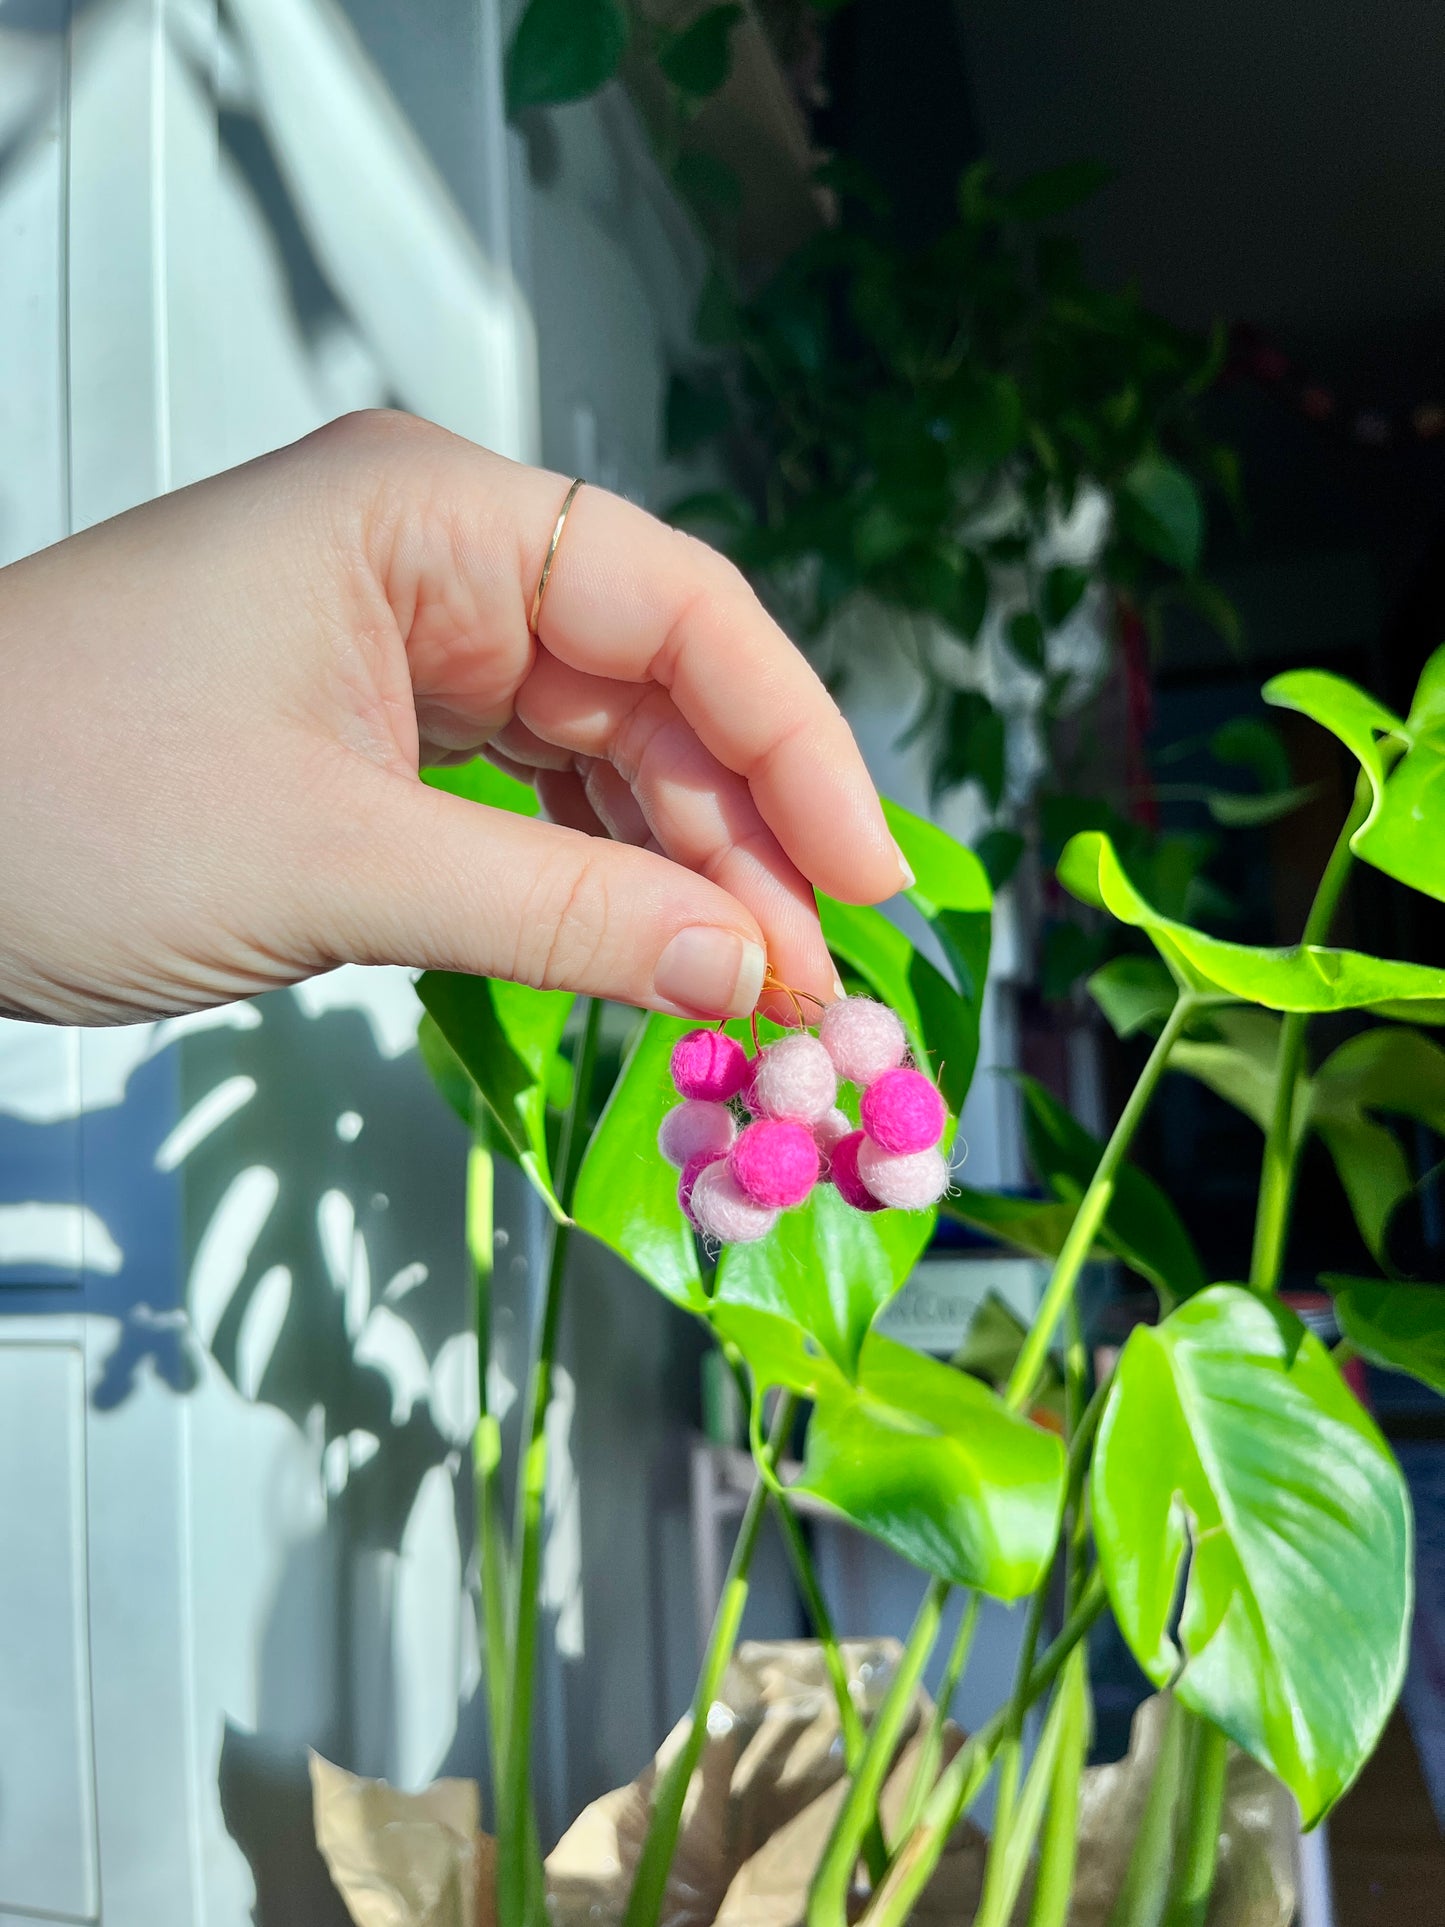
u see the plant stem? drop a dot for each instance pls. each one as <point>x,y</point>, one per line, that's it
<point>1081,1421</point>
<point>1282,1140</point>
<point>1058,1850</point>
<point>1092,1208</point>
<point>1146,1879</point>
<point>518,1884</point>
<point>487,1449</point>
<point>1016,1844</point>
<point>997,1902</point>
<point>926,1771</point>
<point>850,1721</point>
<point>1201,1809</point>
<point>915,1860</point>
<point>833,1881</point>
<point>649,1884</point>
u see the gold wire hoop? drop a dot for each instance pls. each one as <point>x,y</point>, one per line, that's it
<point>551,556</point>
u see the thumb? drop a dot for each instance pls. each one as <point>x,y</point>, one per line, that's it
<point>436,881</point>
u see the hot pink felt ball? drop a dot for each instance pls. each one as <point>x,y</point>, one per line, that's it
<point>903,1111</point>
<point>908,1182</point>
<point>863,1038</point>
<point>776,1163</point>
<point>830,1130</point>
<point>691,1171</point>
<point>844,1173</point>
<point>695,1125</point>
<point>794,1079</point>
<point>721,1209</point>
<point>709,1064</point>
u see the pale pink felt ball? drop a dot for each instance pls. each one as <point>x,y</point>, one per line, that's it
<point>721,1209</point>
<point>709,1064</point>
<point>863,1038</point>
<point>795,1080</point>
<point>696,1125</point>
<point>907,1182</point>
<point>776,1163</point>
<point>902,1111</point>
<point>691,1171</point>
<point>844,1173</point>
<point>829,1131</point>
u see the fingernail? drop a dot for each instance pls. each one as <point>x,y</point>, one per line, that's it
<point>710,973</point>
<point>838,990</point>
<point>904,865</point>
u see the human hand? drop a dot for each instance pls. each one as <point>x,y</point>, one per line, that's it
<point>214,707</point>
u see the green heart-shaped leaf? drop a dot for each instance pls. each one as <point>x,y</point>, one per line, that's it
<point>934,1464</point>
<point>1402,834</point>
<point>1305,977</point>
<point>827,1268</point>
<point>626,1191</point>
<point>1231,1447</point>
<point>1401,1327</point>
<point>507,1037</point>
<point>697,59</point>
<point>1159,507</point>
<point>564,50</point>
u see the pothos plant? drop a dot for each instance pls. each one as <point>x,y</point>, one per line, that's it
<point>1221,1492</point>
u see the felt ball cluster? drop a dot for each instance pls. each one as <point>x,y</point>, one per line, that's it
<point>753,1135</point>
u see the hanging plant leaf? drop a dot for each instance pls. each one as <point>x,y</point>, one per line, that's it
<point>507,1036</point>
<point>1306,977</point>
<point>1159,507</point>
<point>1063,591</point>
<point>999,851</point>
<point>973,746</point>
<point>934,1464</point>
<point>626,1192</point>
<point>698,58</point>
<point>1141,1226</point>
<point>1400,1327</point>
<point>1231,1452</point>
<point>564,50</point>
<point>1026,639</point>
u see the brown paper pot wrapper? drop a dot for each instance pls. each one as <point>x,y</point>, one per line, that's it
<point>758,1813</point>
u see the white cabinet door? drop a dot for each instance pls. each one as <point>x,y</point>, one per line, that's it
<point>236,1374</point>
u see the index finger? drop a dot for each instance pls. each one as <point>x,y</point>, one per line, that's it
<point>631,599</point>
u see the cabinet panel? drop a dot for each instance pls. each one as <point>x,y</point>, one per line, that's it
<point>47,1769</point>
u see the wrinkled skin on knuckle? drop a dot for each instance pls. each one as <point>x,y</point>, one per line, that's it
<point>563,939</point>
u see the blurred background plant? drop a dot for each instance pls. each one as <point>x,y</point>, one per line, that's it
<point>951,452</point>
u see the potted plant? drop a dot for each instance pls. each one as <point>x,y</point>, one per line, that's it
<point>1221,1491</point>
